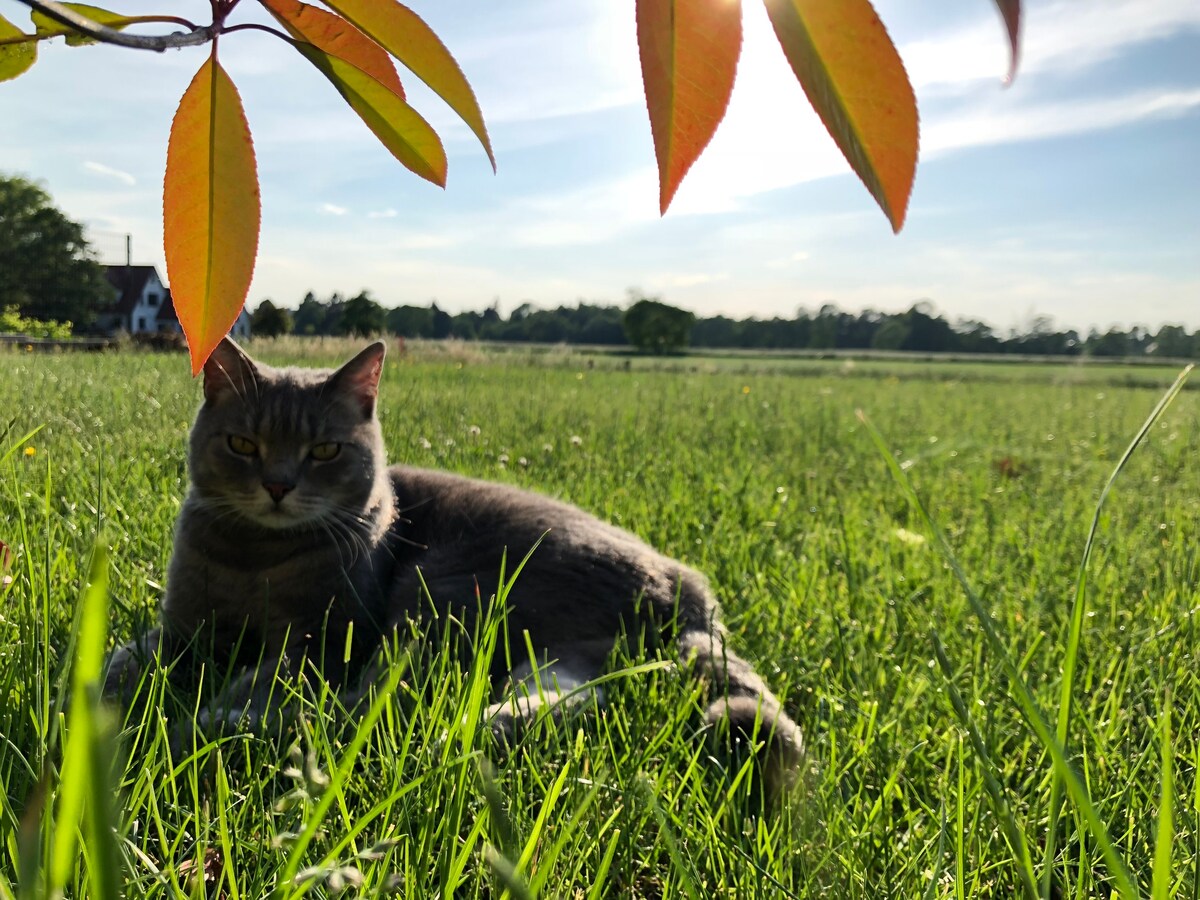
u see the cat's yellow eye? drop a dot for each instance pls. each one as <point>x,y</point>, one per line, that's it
<point>325,452</point>
<point>242,446</point>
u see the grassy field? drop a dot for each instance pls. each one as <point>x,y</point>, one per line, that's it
<point>763,477</point>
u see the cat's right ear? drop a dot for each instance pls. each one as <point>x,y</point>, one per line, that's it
<point>228,370</point>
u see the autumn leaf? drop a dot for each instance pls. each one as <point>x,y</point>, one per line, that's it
<point>15,59</point>
<point>48,27</point>
<point>211,209</point>
<point>689,56</point>
<point>336,37</point>
<point>405,35</point>
<point>399,127</point>
<point>853,77</point>
<point>1010,11</point>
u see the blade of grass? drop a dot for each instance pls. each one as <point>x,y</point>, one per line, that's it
<point>1013,832</point>
<point>336,782</point>
<point>1078,614</point>
<point>1160,888</point>
<point>1024,698</point>
<point>76,776</point>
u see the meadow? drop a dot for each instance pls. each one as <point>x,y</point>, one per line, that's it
<point>920,699</point>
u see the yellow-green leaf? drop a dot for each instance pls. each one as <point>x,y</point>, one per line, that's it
<point>211,209</point>
<point>405,35</point>
<point>689,56</point>
<point>1010,11</point>
<point>853,76</point>
<point>48,27</point>
<point>399,127</point>
<point>337,37</point>
<point>15,59</point>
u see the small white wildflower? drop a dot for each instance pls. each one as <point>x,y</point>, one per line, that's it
<point>548,448</point>
<point>474,431</point>
<point>425,445</point>
<point>910,537</point>
<point>576,440</point>
<point>523,462</point>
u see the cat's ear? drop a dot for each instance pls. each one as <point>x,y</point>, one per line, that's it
<point>359,378</point>
<point>228,370</point>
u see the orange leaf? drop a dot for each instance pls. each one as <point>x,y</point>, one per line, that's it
<point>1010,11</point>
<point>405,35</point>
<point>853,77</point>
<point>337,37</point>
<point>211,209</point>
<point>689,53</point>
<point>399,127</point>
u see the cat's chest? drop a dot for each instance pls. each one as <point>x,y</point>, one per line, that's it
<point>271,593</point>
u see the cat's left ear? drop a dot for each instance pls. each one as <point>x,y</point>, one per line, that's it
<point>360,377</point>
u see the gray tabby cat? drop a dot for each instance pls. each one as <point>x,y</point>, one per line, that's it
<point>295,532</point>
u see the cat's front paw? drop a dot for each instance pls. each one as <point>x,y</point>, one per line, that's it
<point>123,673</point>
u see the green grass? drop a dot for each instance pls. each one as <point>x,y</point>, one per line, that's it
<point>925,777</point>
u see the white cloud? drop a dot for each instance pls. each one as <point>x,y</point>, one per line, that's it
<point>998,124</point>
<point>1059,36</point>
<point>109,172</point>
<point>333,209</point>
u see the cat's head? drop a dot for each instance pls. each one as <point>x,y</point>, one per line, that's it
<point>288,448</point>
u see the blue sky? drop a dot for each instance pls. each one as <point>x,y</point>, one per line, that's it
<point>1074,193</point>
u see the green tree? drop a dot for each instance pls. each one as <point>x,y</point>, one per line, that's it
<point>47,269</point>
<point>410,321</point>
<point>270,320</point>
<point>654,327</point>
<point>443,323</point>
<point>310,317</point>
<point>12,322</point>
<point>362,316</point>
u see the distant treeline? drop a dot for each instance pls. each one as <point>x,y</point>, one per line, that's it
<point>920,329</point>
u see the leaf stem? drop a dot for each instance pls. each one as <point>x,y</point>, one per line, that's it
<point>105,35</point>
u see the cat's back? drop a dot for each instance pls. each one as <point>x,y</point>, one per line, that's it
<point>437,506</point>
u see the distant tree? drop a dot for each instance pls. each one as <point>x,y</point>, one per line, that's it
<point>892,334</point>
<point>1114,342</point>
<point>443,324</point>
<point>48,270</point>
<point>361,316</point>
<point>333,315</point>
<point>310,317</point>
<point>1174,341</point>
<point>465,326</point>
<point>269,320</point>
<point>655,327</point>
<point>822,332</point>
<point>410,321</point>
<point>976,337</point>
<point>927,332</point>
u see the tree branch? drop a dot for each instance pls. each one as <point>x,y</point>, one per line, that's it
<point>106,35</point>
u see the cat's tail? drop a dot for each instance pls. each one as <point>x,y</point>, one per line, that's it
<point>742,708</point>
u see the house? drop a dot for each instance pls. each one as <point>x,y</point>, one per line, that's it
<point>142,305</point>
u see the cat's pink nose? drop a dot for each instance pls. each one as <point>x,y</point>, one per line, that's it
<point>277,489</point>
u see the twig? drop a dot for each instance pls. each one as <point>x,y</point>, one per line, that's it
<point>158,42</point>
